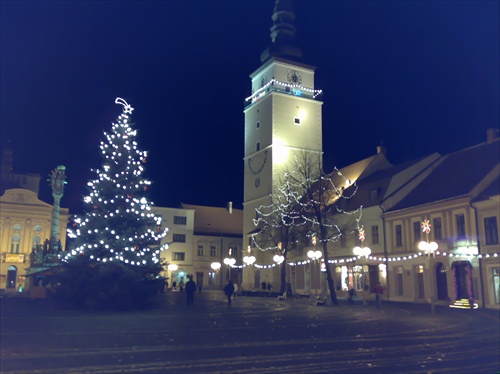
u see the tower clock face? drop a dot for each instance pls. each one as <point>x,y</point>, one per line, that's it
<point>294,77</point>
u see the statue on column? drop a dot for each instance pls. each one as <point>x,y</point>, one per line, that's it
<point>57,179</point>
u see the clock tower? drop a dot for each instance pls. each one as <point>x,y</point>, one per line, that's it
<point>282,116</point>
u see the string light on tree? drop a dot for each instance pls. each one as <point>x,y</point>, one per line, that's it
<point>119,224</point>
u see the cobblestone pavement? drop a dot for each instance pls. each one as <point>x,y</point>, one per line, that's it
<point>253,335</point>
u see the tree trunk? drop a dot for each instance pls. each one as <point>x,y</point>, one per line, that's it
<point>329,278</point>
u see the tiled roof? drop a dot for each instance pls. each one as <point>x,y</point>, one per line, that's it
<point>216,221</point>
<point>455,176</point>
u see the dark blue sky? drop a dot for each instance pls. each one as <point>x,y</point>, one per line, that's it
<point>420,76</point>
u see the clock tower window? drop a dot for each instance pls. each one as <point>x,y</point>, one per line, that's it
<point>257,147</point>
<point>257,125</point>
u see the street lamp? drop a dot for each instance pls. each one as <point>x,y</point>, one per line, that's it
<point>216,267</point>
<point>314,256</point>
<point>278,257</point>
<point>229,261</point>
<point>362,252</point>
<point>430,249</point>
<point>249,259</point>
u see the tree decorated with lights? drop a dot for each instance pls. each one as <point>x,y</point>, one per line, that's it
<point>320,203</point>
<point>280,224</point>
<point>116,243</point>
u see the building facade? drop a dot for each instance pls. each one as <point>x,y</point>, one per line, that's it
<point>198,237</point>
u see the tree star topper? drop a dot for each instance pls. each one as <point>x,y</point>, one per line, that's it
<point>126,106</point>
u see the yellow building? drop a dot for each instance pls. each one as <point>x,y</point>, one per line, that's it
<point>25,224</point>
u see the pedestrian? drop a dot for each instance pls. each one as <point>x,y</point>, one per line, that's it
<point>235,290</point>
<point>190,290</point>
<point>228,290</point>
<point>378,291</point>
<point>199,287</point>
<point>181,285</point>
<point>269,287</point>
<point>350,299</point>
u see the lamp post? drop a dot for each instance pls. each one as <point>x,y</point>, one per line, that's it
<point>279,258</point>
<point>428,248</point>
<point>314,256</point>
<point>362,252</point>
<point>216,267</point>
<point>249,260</point>
<point>172,268</point>
<point>229,261</point>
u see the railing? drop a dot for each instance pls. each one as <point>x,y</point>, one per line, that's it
<point>275,86</point>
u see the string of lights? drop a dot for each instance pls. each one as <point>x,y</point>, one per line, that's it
<point>263,90</point>
<point>117,195</point>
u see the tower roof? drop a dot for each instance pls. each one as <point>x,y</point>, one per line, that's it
<point>282,33</point>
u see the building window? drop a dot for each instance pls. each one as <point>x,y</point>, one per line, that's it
<point>399,236</point>
<point>343,239</point>
<point>257,125</point>
<point>15,243</point>
<point>374,234</point>
<point>201,250</point>
<point>37,242</point>
<point>178,256</point>
<point>179,220</point>
<point>374,194</point>
<point>438,229</point>
<point>491,230</point>
<point>460,222</point>
<point>179,238</point>
<point>416,231</point>
<point>213,251</point>
<point>296,121</point>
<point>496,284</point>
<point>257,147</point>
<point>399,281</point>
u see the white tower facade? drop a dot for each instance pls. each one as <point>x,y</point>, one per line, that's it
<point>283,118</point>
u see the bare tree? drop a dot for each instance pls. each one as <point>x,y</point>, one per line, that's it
<point>281,224</point>
<point>320,199</point>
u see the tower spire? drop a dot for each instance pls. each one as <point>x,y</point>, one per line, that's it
<point>283,33</point>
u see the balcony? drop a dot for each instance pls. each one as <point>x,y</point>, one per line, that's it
<point>285,88</point>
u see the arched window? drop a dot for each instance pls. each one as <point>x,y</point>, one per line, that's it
<point>36,242</point>
<point>16,241</point>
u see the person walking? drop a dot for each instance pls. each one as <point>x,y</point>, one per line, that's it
<point>190,290</point>
<point>229,290</point>
<point>181,285</point>
<point>378,291</point>
<point>235,293</point>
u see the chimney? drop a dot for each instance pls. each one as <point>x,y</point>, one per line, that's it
<point>382,149</point>
<point>491,134</point>
<point>229,207</point>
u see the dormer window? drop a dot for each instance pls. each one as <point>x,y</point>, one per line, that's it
<point>374,194</point>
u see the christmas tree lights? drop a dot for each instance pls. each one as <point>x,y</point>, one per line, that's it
<point>119,224</point>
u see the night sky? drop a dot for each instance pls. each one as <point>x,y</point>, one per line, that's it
<point>419,76</point>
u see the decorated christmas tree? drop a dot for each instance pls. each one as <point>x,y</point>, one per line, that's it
<point>114,258</point>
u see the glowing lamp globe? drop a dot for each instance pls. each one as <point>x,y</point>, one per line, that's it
<point>278,259</point>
